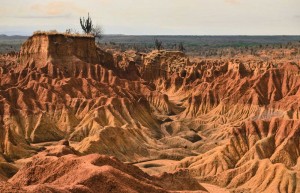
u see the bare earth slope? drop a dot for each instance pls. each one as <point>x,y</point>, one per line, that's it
<point>230,122</point>
<point>58,170</point>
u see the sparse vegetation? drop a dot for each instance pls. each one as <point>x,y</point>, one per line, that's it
<point>88,27</point>
<point>181,47</point>
<point>86,24</point>
<point>158,44</point>
<point>72,31</point>
<point>97,31</point>
<point>67,33</point>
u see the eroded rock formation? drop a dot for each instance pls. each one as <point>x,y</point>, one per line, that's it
<point>230,122</point>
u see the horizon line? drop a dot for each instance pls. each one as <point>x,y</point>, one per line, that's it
<point>3,34</point>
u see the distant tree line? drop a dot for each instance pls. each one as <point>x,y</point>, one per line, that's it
<point>215,51</point>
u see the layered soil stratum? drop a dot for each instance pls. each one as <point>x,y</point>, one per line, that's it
<point>76,118</point>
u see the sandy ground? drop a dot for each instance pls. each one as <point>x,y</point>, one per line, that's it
<point>214,189</point>
<point>156,167</point>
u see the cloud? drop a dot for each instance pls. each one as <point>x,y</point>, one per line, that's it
<point>64,16</point>
<point>56,9</point>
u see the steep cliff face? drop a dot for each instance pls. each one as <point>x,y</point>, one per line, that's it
<point>57,49</point>
<point>61,56</point>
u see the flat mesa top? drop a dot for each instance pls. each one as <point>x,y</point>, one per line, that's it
<point>62,34</point>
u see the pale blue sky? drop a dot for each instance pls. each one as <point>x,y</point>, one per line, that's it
<point>155,17</point>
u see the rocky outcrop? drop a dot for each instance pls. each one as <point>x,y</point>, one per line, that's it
<point>51,96</point>
<point>59,49</point>
<point>161,64</point>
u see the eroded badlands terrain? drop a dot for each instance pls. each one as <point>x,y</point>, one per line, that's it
<point>76,118</point>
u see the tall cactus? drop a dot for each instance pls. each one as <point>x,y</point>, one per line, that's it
<point>86,24</point>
